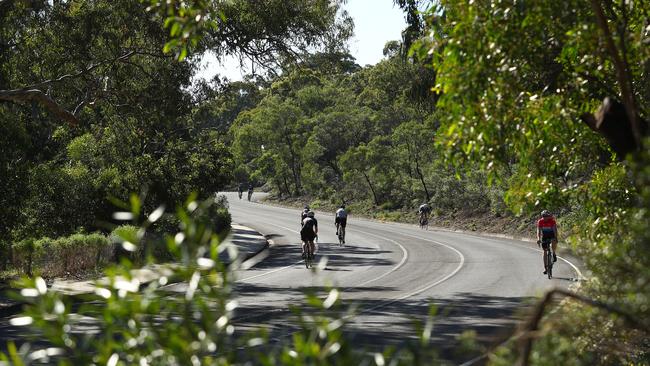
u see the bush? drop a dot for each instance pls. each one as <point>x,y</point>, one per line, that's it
<point>62,256</point>
<point>61,200</point>
<point>215,215</point>
<point>22,254</point>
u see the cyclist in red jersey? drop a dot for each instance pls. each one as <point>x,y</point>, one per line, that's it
<point>547,233</point>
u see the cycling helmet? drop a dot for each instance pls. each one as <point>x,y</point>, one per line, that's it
<point>545,213</point>
<point>306,207</point>
<point>310,214</point>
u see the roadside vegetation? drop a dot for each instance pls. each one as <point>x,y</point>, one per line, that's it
<point>485,109</point>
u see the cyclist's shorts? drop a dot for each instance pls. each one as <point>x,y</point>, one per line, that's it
<point>341,220</point>
<point>545,244</point>
<point>307,235</point>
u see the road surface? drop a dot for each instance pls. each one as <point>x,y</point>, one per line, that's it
<point>393,273</point>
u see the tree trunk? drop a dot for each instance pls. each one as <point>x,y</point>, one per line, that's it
<point>372,189</point>
<point>335,168</point>
<point>286,185</point>
<point>424,185</point>
<point>294,166</point>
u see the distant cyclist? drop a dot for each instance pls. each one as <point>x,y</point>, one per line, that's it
<point>424,212</point>
<point>547,234</point>
<point>250,191</point>
<point>340,219</point>
<point>308,232</point>
<point>240,189</point>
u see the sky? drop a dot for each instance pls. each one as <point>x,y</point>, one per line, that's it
<point>375,23</point>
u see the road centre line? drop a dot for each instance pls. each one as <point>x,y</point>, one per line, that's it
<point>460,265</point>
<point>405,256</point>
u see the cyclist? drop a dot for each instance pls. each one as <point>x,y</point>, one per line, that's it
<point>308,232</point>
<point>340,219</point>
<point>250,191</point>
<point>424,212</point>
<point>240,189</point>
<point>547,233</point>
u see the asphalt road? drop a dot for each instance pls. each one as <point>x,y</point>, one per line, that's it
<point>393,273</point>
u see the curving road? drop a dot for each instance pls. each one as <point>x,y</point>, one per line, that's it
<point>393,273</point>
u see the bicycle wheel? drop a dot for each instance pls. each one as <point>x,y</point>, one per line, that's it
<point>308,260</point>
<point>341,236</point>
<point>549,260</point>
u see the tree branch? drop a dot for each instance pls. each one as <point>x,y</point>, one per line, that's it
<point>80,73</point>
<point>533,325</point>
<point>34,92</point>
<point>23,95</point>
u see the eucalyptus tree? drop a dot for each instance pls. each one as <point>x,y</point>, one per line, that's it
<point>517,82</point>
<point>277,130</point>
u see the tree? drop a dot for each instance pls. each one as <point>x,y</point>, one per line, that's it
<point>413,141</point>
<point>514,80</point>
<point>372,161</point>
<point>278,127</point>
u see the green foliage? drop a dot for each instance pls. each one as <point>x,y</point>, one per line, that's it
<point>62,256</point>
<point>263,32</point>
<point>186,23</point>
<point>513,79</point>
<point>61,200</point>
<point>363,134</point>
<point>135,126</point>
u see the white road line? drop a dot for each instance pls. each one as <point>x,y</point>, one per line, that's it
<point>405,256</point>
<point>575,268</point>
<point>420,290</point>
<point>275,270</point>
<point>268,273</point>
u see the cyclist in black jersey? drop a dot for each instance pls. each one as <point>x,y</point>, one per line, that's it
<point>308,232</point>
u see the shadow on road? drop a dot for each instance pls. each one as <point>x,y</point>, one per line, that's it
<point>339,257</point>
<point>381,323</point>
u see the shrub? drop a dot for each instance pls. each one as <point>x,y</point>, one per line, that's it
<point>22,254</point>
<point>60,201</point>
<point>215,215</point>
<point>65,255</point>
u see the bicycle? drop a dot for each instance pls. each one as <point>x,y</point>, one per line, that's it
<point>549,260</point>
<point>240,194</point>
<point>424,222</point>
<point>309,257</point>
<point>250,194</point>
<point>548,252</point>
<point>341,235</point>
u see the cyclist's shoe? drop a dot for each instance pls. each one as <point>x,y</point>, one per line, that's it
<point>545,272</point>
<point>554,258</point>
<point>303,255</point>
